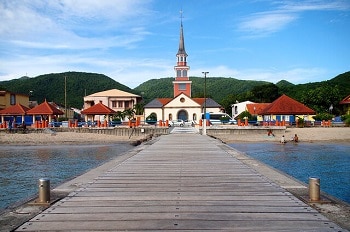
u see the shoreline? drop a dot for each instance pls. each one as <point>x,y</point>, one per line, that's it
<point>66,138</point>
<point>310,135</point>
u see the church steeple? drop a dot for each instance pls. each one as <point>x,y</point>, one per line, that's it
<point>182,84</point>
<point>181,50</point>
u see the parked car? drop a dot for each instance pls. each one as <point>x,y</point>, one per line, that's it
<point>189,123</point>
<point>178,122</point>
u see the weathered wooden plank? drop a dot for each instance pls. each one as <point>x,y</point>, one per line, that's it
<point>176,224</point>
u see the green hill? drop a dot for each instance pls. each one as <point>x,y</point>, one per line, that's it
<point>217,87</point>
<point>318,95</point>
<point>52,86</point>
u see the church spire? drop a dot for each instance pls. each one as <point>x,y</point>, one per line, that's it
<point>182,40</point>
<point>182,84</point>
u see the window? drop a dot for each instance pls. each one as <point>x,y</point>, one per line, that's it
<point>12,99</point>
<point>170,117</point>
<point>194,118</point>
<point>127,104</point>
<point>120,104</point>
<point>182,86</point>
<point>178,73</point>
<point>182,100</point>
<point>114,104</point>
<point>184,73</point>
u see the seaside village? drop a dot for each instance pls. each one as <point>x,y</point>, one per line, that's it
<point>116,108</point>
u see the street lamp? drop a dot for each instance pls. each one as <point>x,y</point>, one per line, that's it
<point>204,132</point>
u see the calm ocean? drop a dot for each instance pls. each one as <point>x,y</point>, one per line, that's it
<point>22,166</point>
<point>328,161</point>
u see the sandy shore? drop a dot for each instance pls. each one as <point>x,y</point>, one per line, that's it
<point>63,138</point>
<point>334,134</point>
<point>314,134</point>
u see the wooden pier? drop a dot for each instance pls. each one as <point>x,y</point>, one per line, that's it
<point>181,182</point>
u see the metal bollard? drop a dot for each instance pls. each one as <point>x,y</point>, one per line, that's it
<point>44,190</point>
<point>314,189</point>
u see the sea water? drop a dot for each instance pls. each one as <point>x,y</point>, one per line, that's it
<point>22,166</point>
<point>328,161</point>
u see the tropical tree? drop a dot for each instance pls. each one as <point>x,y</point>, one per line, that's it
<point>129,113</point>
<point>322,98</point>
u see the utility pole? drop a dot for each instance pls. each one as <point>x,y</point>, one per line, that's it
<point>204,132</point>
<point>65,97</point>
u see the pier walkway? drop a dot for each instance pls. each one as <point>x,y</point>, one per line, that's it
<point>181,182</point>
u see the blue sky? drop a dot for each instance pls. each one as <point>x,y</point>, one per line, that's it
<point>133,41</point>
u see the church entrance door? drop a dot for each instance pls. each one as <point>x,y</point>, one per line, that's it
<point>182,114</point>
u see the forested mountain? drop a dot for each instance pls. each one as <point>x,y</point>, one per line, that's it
<point>52,86</point>
<point>217,87</point>
<point>318,95</point>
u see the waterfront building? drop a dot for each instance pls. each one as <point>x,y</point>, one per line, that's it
<point>182,105</point>
<point>115,99</point>
<point>44,112</point>
<point>8,99</point>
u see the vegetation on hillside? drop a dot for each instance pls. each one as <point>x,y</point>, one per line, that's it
<point>226,91</point>
<point>52,87</point>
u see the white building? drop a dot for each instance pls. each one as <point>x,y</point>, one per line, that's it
<point>239,107</point>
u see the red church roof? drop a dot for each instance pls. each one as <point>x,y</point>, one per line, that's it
<point>45,108</point>
<point>17,109</point>
<point>345,100</point>
<point>98,109</point>
<point>286,105</point>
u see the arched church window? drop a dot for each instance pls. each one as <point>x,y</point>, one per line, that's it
<point>194,118</point>
<point>170,117</point>
<point>184,73</point>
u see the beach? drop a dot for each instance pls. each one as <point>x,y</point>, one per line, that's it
<point>312,134</point>
<point>63,138</point>
<point>334,134</point>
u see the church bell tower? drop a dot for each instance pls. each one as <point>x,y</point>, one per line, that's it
<point>182,83</point>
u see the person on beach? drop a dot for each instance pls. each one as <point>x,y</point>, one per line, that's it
<point>283,140</point>
<point>296,139</point>
<point>10,126</point>
<point>269,133</point>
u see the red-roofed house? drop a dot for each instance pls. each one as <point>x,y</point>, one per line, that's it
<point>16,112</point>
<point>46,111</point>
<point>345,103</point>
<point>97,109</point>
<point>257,109</point>
<point>287,109</point>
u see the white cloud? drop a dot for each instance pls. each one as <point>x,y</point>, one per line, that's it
<point>264,23</point>
<point>72,24</point>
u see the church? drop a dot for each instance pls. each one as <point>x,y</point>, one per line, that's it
<point>182,105</point>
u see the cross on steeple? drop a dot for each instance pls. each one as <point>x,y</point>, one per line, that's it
<point>181,15</point>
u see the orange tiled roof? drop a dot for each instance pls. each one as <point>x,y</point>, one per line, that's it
<point>164,101</point>
<point>346,100</point>
<point>17,109</point>
<point>286,105</point>
<point>45,108</point>
<point>200,100</point>
<point>259,108</point>
<point>98,109</point>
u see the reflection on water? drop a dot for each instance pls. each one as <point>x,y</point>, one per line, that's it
<point>329,162</point>
<point>22,166</point>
